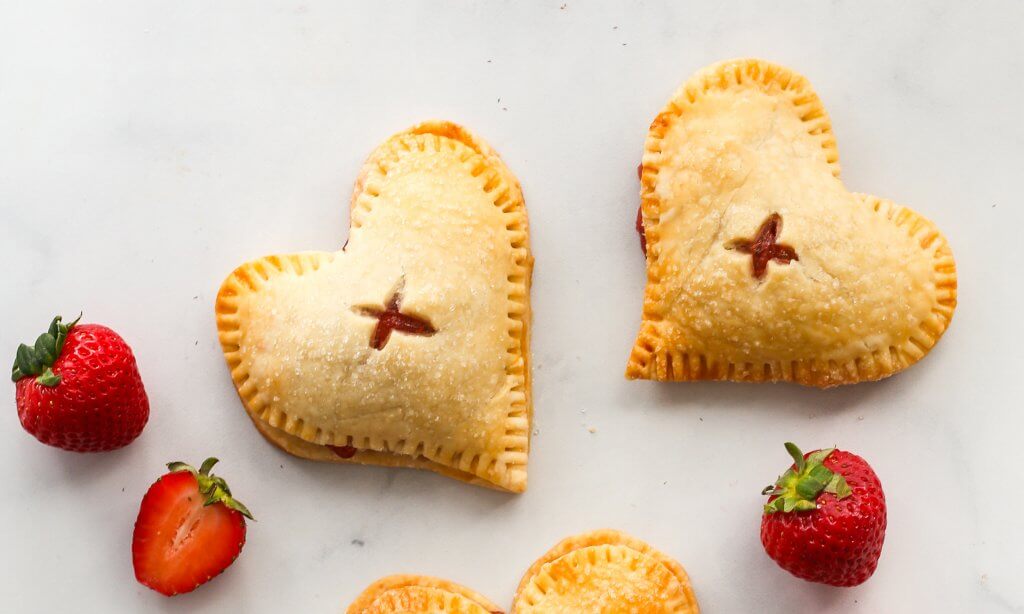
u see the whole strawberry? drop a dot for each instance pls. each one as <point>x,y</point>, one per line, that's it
<point>189,529</point>
<point>825,518</point>
<point>78,388</point>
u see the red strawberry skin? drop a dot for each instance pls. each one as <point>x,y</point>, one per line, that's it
<point>179,543</point>
<point>100,403</point>
<point>838,543</point>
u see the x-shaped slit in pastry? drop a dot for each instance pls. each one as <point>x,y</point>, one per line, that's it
<point>391,319</point>
<point>763,247</point>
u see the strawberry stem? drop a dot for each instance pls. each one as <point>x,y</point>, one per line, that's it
<point>800,486</point>
<point>213,486</point>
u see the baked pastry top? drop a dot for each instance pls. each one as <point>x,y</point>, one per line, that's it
<point>605,572</point>
<point>761,265</point>
<point>410,346</point>
<point>407,594</point>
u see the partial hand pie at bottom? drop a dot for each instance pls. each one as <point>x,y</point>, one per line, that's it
<point>601,572</point>
<point>420,594</point>
<point>409,347</point>
<point>761,265</point>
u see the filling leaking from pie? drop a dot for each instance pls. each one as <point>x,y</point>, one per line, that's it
<point>410,345</point>
<point>761,265</point>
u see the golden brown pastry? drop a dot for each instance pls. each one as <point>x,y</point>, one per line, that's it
<point>420,595</point>
<point>605,572</point>
<point>761,265</point>
<point>410,346</point>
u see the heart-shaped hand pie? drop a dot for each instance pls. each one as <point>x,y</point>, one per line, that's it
<point>761,266</point>
<point>601,572</point>
<point>410,346</point>
<point>420,594</point>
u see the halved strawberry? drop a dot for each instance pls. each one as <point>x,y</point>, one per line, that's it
<point>189,529</point>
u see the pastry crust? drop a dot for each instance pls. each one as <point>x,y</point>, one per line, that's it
<point>438,221</point>
<point>402,594</point>
<point>871,290</point>
<point>605,572</point>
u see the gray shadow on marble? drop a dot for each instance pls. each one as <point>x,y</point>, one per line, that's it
<point>385,483</point>
<point>80,469</point>
<point>863,398</point>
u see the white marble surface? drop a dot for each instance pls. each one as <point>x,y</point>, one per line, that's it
<point>147,148</point>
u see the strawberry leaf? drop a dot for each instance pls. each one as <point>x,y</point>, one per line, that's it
<point>26,361</point>
<point>177,466</point>
<point>238,507</point>
<point>39,358</point>
<point>46,348</point>
<point>819,456</point>
<point>48,378</point>
<point>808,488</point>
<point>798,456</point>
<point>838,487</point>
<point>207,465</point>
<point>819,472</point>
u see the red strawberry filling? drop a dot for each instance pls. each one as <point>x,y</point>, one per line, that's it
<point>391,319</point>
<point>640,229</point>
<point>763,248</point>
<point>344,451</point>
<point>640,216</point>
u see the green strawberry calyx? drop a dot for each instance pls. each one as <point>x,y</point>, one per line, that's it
<point>798,488</point>
<point>213,486</point>
<point>38,360</point>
